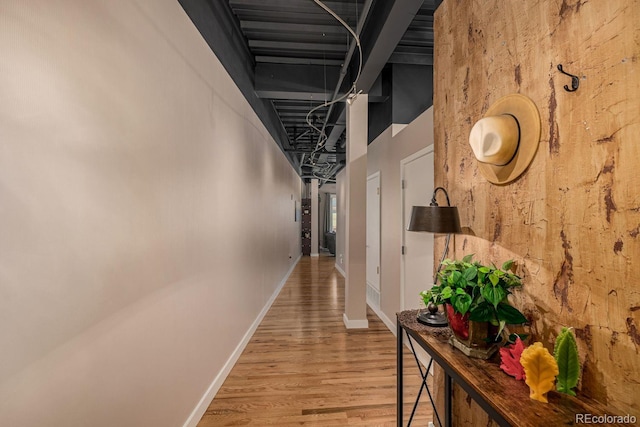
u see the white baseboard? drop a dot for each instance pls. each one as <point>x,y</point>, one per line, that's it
<point>316,255</point>
<point>388,322</point>
<point>422,355</point>
<point>373,296</point>
<point>211,392</point>
<point>354,324</point>
<point>340,270</point>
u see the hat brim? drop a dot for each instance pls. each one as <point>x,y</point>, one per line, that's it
<point>526,112</point>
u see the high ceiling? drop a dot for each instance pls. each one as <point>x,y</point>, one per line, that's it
<point>290,57</point>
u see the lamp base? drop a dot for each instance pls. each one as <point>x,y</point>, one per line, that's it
<point>435,320</point>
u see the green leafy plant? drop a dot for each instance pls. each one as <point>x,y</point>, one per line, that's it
<point>566,354</point>
<point>480,290</point>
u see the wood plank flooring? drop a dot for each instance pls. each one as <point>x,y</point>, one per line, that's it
<point>303,367</point>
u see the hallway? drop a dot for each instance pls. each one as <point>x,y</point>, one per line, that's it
<point>303,367</point>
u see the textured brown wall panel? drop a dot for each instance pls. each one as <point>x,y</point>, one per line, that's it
<point>572,221</point>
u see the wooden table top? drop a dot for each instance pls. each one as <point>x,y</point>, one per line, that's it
<point>509,397</point>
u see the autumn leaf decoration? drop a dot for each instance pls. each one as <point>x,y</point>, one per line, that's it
<point>510,357</point>
<point>566,355</point>
<point>540,369</point>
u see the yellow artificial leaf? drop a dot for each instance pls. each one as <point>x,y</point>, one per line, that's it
<point>541,369</point>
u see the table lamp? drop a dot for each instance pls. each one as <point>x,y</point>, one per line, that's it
<point>435,219</point>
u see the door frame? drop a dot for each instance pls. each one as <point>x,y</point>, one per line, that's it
<point>376,175</point>
<point>420,153</point>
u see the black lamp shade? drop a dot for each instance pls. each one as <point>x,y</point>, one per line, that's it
<point>435,219</point>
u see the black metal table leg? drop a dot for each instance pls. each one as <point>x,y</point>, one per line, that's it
<point>399,373</point>
<point>423,385</point>
<point>447,398</point>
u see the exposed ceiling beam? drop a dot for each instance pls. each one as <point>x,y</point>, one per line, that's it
<point>383,38</point>
<point>418,37</point>
<point>292,28</point>
<point>296,108</point>
<point>283,15</point>
<point>338,128</point>
<point>300,113</point>
<point>281,45</point>
<point>296,121</point>
<point>298,60</point>
<point>322,151</point>
<point>303,6</point>
<point>411,58</point>
<point>288,81</point>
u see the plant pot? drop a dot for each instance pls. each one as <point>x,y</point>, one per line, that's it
<point>471,337</point>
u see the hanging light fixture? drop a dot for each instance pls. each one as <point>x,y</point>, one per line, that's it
<point>435,219</point>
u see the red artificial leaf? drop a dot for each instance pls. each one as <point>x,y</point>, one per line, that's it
<point>511,359</point>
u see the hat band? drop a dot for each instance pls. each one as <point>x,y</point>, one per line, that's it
<point>517,145</point>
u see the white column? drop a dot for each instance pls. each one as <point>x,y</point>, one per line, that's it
<point>314,218</point>
<point>355,305</point>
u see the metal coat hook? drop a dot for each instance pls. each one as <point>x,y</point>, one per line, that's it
<point>575,81</point>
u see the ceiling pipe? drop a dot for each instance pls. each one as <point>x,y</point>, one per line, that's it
<point>347,60</point>
<point>366,9</point>
<point>306,132</point>
<point>400,15</point>
<point>336,168</point>
<point>324,180</point>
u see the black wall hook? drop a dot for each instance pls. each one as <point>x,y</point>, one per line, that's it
<point>575,81</point>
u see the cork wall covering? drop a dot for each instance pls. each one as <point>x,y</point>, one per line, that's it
<point>572,220</point>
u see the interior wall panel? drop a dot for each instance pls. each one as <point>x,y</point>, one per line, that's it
<point>571,221</point>
<point>135,185</point>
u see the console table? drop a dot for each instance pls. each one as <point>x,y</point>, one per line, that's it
<point>505,400</point>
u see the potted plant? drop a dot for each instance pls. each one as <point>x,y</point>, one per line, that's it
<point>476,300</point>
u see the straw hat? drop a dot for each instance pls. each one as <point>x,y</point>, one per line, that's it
<point>506,139</point>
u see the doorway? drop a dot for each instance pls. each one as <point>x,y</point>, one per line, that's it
<point>416,272</point>
<point>416,172</point>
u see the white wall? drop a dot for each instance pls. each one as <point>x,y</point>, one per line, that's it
<point>341,221</point>
<point>135,182</point>
<point>384,154</point>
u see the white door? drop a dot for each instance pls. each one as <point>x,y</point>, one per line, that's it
<point>416,275</point>
<point>373,240</point>
<point>417,259</point>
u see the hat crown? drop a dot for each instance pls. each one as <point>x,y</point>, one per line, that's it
<point>494,139</point>
<point>505,141</point>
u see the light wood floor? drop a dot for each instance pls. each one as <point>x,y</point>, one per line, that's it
<point>302,367</point>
